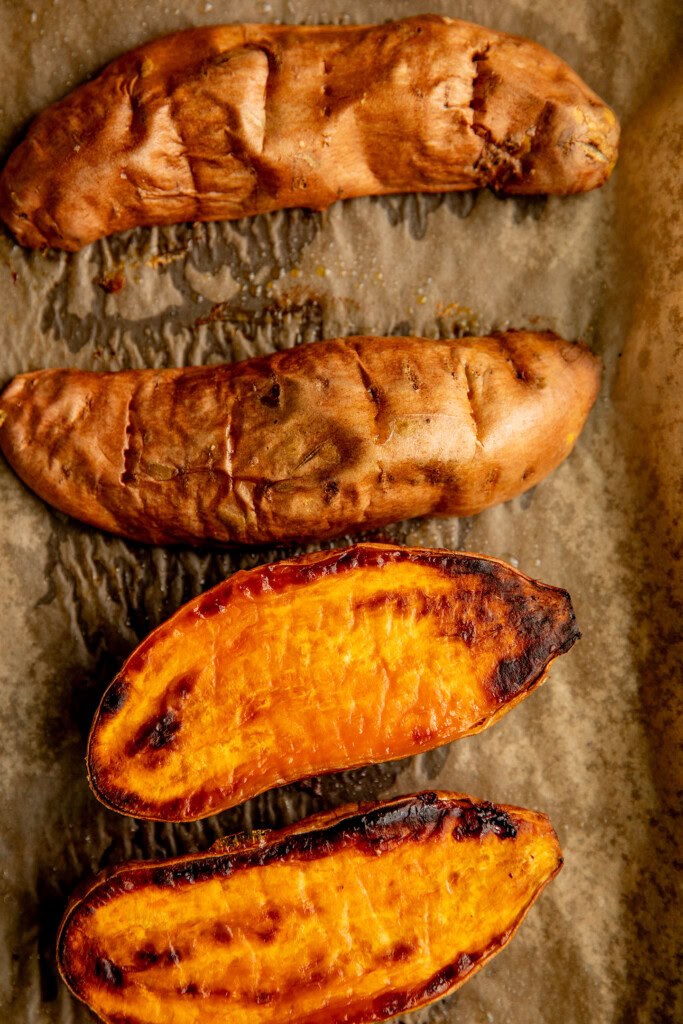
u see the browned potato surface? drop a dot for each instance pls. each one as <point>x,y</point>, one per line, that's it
<point>223,122</point>
<point>320,663</point>
<point>311,442</point>
<point>353,915</point>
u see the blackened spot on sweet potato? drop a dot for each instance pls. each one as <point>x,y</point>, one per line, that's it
<point>163,731</point>
<point>154,735</point>
<point>145,958</point>
<point>192,989</point>
<point>260,998</point>
<point>163,877</point>
<point>330,491</point>
<point>222,932</point>
<point>114,698</point>
<point>467,632</point>
<point>529,471</point>
<point>466,565</point>
<point>212,603</point>
<point>479,819</point>
<point>160,730</point>
<point>442,980</point>
<point>268,935</point>
<point>181,687</point>
<point>547,628</point>
<point>509,677</point>
<point>391,1005</point>
<point>401,951</point>
<point>108,972</point>
<point>272,397</point>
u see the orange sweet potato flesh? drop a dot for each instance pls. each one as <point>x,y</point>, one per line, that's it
<point>354,915</point>
<point>312,442</point>
<point>233,120</point>
<point>320,663</point>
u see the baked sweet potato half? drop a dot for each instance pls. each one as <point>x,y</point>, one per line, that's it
<point>329,661</point>
<point>352,915</point>
<point>223,122</point>
<point>311,442</point>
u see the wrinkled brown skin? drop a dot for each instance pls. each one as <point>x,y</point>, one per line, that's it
<point>321,663</point>
<point>352,915</point>
<point>308,443</point>
<point>228,121</point>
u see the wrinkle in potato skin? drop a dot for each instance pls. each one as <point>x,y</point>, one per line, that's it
<point>230,121</point>
<point>354,914</point>
<point>312,442</point>
<point>322,663</point>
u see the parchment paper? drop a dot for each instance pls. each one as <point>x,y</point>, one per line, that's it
<point>596,746</point>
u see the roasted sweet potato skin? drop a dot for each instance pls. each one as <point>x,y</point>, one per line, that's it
<point>228,121</point>
<point>317,664</point>
<point>353,915</point>
<point>311,442</point>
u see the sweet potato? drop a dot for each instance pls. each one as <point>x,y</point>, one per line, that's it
<point>310,442</point>
<point>224,122</point>
<point>328,661</point>
<point>354,915</point>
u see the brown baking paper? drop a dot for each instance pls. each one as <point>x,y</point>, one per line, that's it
<point>596,746</point>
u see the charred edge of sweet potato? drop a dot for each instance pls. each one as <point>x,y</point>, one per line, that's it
<point>379,828</point>
<point>280,575</point>
<point>413,818</point>
<point>510,680</point>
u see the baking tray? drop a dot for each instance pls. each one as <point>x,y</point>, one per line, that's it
<point>595,747</point>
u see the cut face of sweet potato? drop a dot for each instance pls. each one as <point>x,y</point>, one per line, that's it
<point>354,915</point>
<point>326,662</point>
<point>311,442</point>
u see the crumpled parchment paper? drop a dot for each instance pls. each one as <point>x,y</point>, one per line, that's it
<point>596,746</point>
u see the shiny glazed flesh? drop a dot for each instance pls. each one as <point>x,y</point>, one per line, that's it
<point>354,915</point>
<point>326,662</point>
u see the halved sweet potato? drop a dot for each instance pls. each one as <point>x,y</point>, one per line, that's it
<point>231,120</point>
<point>311,442</point>
<point>354,915</point>
<point>326,662</point>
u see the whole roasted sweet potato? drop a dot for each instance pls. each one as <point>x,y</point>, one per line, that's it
<point>328,661</point>
<point>352,915</point>
<point>310,442</point>
<point>223,122</point>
